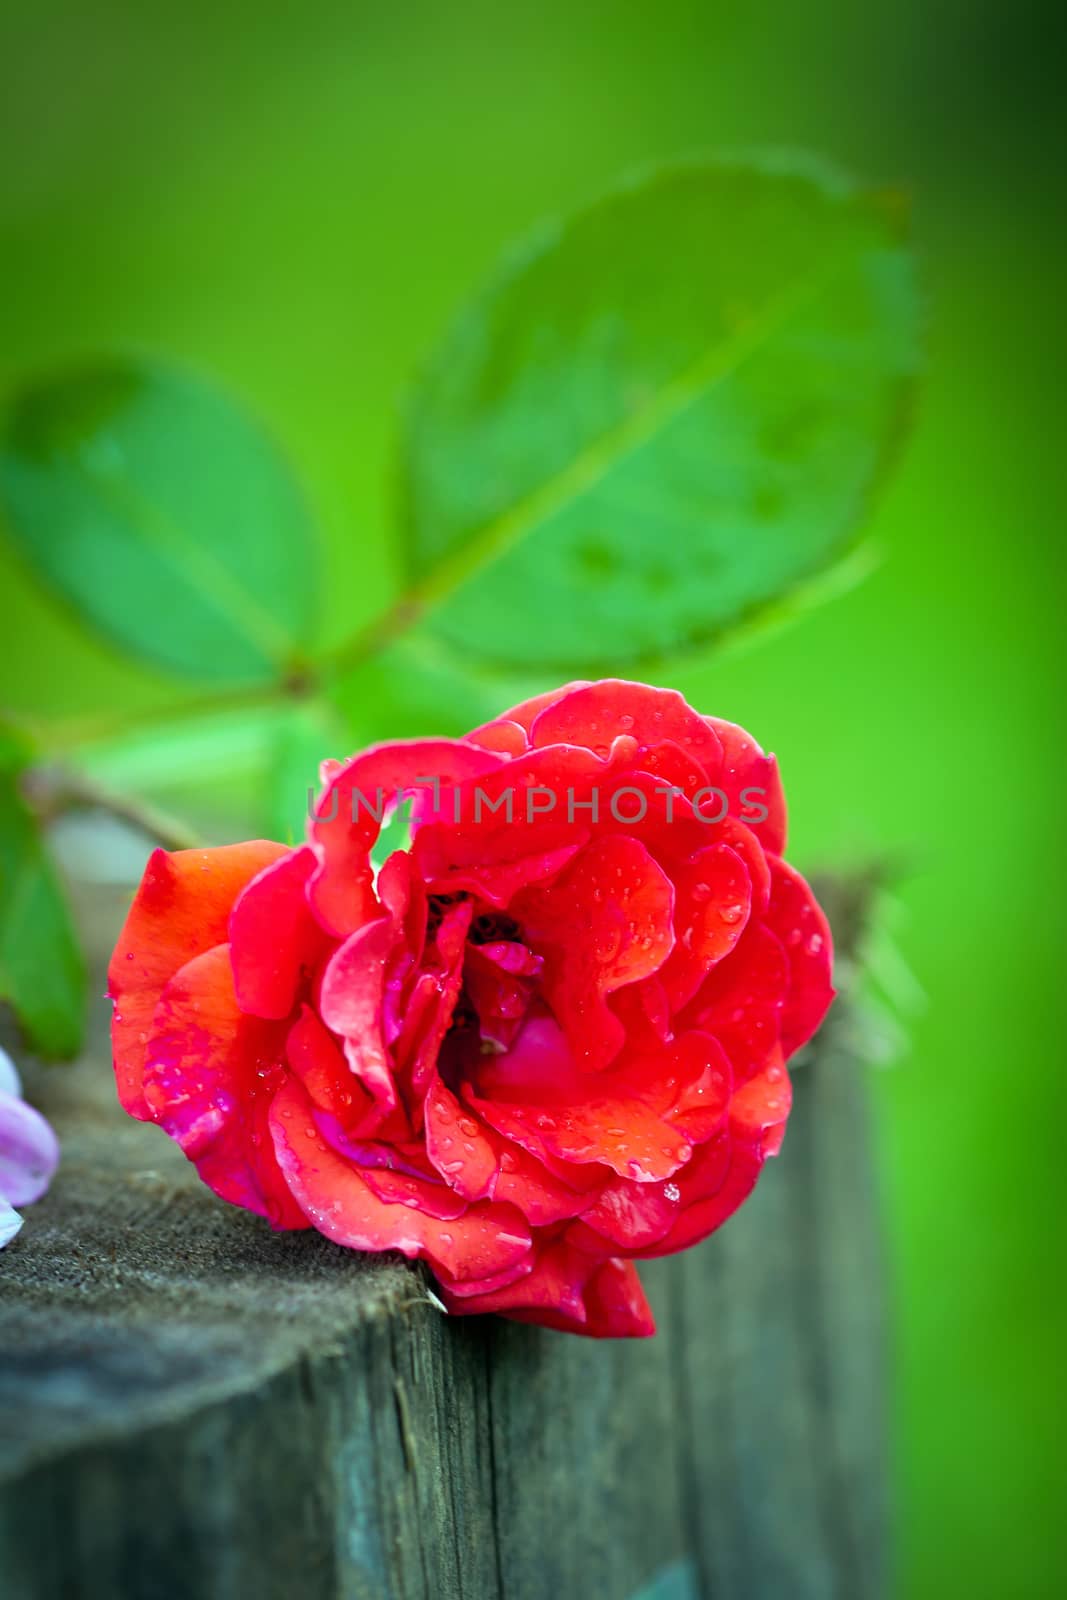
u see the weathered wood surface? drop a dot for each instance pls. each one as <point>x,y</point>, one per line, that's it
<point>193,1408</point>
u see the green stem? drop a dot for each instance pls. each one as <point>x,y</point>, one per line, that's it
<point>56,791</point>
<point>305,681</point>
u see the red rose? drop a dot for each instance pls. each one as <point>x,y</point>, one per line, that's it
<point>548,1038</point>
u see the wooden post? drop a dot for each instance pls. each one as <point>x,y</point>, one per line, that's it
<point>193,1408</point>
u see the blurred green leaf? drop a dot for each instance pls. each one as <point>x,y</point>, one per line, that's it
<point>661,418</point>
<point>209,752</point>
<point>42,975</point>
<point>309,735</point>
<point>16,747</point>
<point>165,517</point>
<point>414,689</point>
<point>218,769</point>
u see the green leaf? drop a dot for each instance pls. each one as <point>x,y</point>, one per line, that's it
<point>213,754</point>
<point>165,517</point>
<point>42,975</point>
<point>414,689</point>
<point>662,417</point>
<point>308,735</point>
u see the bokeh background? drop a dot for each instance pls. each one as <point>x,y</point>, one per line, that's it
<point>294,197</point>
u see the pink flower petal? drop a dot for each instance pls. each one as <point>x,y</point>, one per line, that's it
<point>29,1152</point>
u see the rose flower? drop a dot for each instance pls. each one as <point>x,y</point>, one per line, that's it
<point>546,1040</point>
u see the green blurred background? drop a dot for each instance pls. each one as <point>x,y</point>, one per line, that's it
<point>294,198</point>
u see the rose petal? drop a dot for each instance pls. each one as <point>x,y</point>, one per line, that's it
<point>644,1013</point>
<point>751,783</point>
<point>760,1108</point>
<point>796,917</point>
<point>181,909</point>
<point>720,1178</point>
<point>210,1077</point>
<point>544,1195</point>
<point>275,942</point>
<point>667,763</point>
<point>630,1216</point>
<point>459,1145</point>
<point>350,1003</point>
<point>449,944</point>
<point>349,814</point>
<point>605,923</point>
<point>336,1196</point>
<point>480,1164</point>
<point>29,1152</point>
<point>741,1000</point>
<point>571,1291</point>
<point>713,901</point>
<point>315,1056</point>
<point>535,1096</point>
<point>597,713</point>
<point>505,737</point>
<point>403,894</point>
<point>498,979</point>
<point>616,1307</point>
<point>744,843</point>
<point>510,827</point>
<point>554,1285</point>
<point>525,714</point>
<point>433,1199</point>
